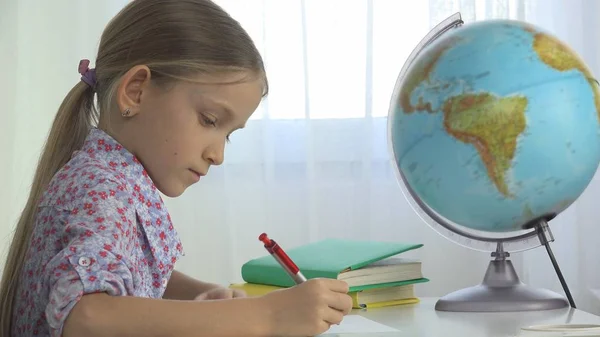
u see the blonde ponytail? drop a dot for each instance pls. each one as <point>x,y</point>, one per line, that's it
<point>76,115</point>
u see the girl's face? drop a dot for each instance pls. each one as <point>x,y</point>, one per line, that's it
<point>178,132</point>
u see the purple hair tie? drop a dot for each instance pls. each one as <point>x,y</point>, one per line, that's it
<point>87,75</point>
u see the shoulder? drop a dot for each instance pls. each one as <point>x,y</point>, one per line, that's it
<point>84,178</point>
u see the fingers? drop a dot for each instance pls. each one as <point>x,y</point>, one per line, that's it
<point>337,285</point>
<point>220,294</point>
<point>331,284</point>
<point>336,295</point>
<point>224,293</point>
<point>332,316</point>
<point>238,293</point>
<point>340,302</point>
<point>322,327</point>
<point>201,297</point>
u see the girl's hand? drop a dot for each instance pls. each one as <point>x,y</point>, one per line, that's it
<point>307,309</point>
<point>220,293</point>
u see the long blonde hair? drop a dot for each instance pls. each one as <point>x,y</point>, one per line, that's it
<point>177,40</point>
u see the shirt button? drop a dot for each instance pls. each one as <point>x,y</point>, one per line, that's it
<point>164,282</point>
<point>84,261</point>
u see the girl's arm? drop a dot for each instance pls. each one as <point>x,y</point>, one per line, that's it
<point>102,315</point>
<point>304,310</point>
<point>183,287</point>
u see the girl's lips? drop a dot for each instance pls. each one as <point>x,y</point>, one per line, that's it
<point>197,175</point>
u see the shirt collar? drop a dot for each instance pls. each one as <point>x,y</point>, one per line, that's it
<point>115,156</point>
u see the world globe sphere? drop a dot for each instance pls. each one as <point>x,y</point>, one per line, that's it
<point>495,125</point>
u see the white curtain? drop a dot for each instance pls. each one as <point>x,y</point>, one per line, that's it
<point>313,162</point>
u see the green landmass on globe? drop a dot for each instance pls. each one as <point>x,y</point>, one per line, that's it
<point>560,57</point>
<point>497,124</point>
<point>468,117</point>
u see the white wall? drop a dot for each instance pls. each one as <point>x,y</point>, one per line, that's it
<point>45,52</point>
<point>8,93</point>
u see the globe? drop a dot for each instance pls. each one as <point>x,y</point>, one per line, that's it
<point>494,127</point>
<point>496,124</point>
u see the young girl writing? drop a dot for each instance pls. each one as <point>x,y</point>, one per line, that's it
<point>94,250</point>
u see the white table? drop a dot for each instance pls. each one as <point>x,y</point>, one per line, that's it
<point>423,320</point>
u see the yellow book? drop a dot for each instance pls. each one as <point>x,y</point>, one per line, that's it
<point>356,305</point>
<point>371,298</point>
<point>254,290</point>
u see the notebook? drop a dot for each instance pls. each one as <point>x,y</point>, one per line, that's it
<point>362,264</point>
<point>403,293</point>
<point>357,325</point>
<point>562,330</point>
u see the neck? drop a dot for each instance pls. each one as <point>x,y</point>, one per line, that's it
<point>117,128</point>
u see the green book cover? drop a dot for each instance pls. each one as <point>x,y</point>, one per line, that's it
<point>322,259</point>
<point>388,284</point>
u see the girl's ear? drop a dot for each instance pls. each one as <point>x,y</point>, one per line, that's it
<point>129,92</point>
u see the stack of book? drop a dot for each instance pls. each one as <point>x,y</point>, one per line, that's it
<point>376,274</point>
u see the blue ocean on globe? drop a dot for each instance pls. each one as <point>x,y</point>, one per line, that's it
<point>496,124</point>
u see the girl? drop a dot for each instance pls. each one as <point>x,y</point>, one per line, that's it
<point>94,250</point>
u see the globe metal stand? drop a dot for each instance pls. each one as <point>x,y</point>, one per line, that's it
<point>501,289</point>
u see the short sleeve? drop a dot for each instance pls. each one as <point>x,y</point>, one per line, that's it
<point>99,233</point>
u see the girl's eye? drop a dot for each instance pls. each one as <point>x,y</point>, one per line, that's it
<point>206,120</point>
<point>213,123</point>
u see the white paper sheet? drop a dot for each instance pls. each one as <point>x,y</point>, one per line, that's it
<point>353,324</point>
<point>561,330</point>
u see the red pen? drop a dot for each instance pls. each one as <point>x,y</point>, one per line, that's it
<point>284,260</point>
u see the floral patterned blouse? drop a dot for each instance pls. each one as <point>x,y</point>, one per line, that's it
<point>101,226</point>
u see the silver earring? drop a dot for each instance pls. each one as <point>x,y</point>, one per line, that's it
<point>126,113</point>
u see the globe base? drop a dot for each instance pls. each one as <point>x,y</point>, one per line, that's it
<point>501,291</point>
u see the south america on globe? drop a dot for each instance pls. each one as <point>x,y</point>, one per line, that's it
<point>496,124</point>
